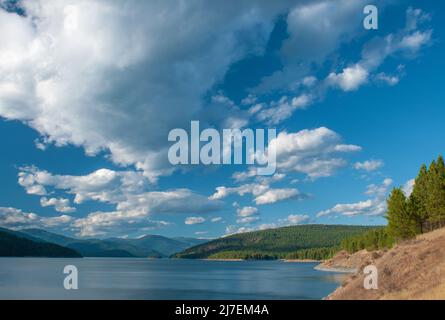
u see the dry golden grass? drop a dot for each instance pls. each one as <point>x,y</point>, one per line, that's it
<point>412,270</point>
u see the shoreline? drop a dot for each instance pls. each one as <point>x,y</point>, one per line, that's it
<point>281,260</point>
<point>228,260</point>
<point>300,261</point>
<point>336,269</point>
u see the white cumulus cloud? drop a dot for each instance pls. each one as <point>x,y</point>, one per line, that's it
<point>296,219</point>
<point>376,206</point>
<point>111,77</point>
<point>59,204</point>
<point>194,220</point>
<point>350,79</point>
<point>276,195</point>
<point>13,218</point>
<point>315,152</point>
<point>369,165</point>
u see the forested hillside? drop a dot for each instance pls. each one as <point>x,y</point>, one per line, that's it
<point>13,244</point>
<point>295,242</point>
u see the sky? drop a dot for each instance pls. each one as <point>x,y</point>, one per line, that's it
<point>89,91</point>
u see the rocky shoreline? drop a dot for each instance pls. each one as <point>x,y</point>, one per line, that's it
<point>336,269</point>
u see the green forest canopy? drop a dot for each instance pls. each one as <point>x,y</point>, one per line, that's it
<point>294,242</point>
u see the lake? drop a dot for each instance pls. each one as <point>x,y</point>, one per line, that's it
<point>119,278</point>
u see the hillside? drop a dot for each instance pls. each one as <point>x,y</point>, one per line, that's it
<point>88,248</point>
<point>295,242</point>
<point>414,269</point>
<point>147,246</point>
<point>15,244</point>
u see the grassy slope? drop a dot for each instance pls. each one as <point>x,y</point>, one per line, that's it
<point>273,243</point>
<point>414,269</point>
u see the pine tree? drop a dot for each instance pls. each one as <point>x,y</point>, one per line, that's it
<point>435,202</point>
<point>400,224</point>
<point>418,199</point>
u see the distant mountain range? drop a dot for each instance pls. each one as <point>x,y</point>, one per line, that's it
<point>295,242</point>
<point>17,244</point>
<point>148,246</point>
<point>316,242</point>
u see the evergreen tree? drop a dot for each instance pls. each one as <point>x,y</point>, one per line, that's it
<point>400,224</point>
<point>418,199</point>
<point>435,202</point>
<point>375,239</point>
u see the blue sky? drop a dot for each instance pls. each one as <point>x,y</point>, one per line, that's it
<point>90,90</point>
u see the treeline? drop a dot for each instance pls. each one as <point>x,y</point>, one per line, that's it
<point>303,254</point>
<point>424,209</point>
<point>371,240</point>
<point>313,254</point>
<point>245,255</point>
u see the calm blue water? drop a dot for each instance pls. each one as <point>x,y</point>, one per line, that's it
<point>109,278</point>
